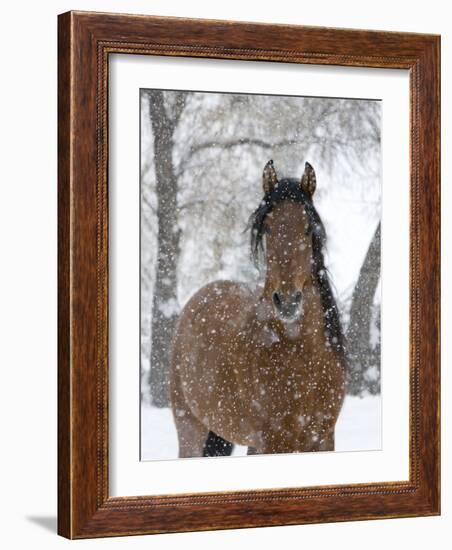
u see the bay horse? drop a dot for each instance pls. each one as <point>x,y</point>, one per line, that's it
<point>264,368</point>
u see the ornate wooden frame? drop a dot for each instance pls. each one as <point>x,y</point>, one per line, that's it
<point>84,44</point>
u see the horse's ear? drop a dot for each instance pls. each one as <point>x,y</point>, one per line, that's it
<point>269,177</point>
<point>308,180</point>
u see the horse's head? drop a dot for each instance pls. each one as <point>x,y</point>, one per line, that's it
<point>286,222</point>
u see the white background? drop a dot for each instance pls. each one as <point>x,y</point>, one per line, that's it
<point>28,271</point>
<point>128,476</point>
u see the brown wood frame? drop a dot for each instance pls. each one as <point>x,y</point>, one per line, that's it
<point>84,44</point>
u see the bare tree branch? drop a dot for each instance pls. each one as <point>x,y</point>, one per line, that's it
<point>230,144</point>
<point>179,106</point>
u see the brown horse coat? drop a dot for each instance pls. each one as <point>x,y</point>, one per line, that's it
<point>249,370</point>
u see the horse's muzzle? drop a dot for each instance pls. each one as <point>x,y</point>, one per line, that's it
<point>288,308</point>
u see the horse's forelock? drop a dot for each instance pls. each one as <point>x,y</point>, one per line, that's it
<point>287,189</point>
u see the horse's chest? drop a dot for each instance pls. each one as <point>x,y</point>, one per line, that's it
<point>294,378</point>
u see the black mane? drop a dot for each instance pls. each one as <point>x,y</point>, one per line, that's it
<point>290,189</point>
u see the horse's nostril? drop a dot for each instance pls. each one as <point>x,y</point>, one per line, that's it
<point>276,299</point>
<point>298,296</point>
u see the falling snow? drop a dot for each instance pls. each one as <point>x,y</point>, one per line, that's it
<point>217,162</point>
<point>169,308</point>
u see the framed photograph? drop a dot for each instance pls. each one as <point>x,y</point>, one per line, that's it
<point>248,275</point>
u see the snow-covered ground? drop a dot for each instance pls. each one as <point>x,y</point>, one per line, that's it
<point>358,429</point>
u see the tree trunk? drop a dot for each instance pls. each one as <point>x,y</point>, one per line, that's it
<point>165,307</point>
<point>361,356</point>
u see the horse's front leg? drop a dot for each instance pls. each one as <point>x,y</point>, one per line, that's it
<point>327,442</point>
<point>317,438</point>
<point>191,433</point>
